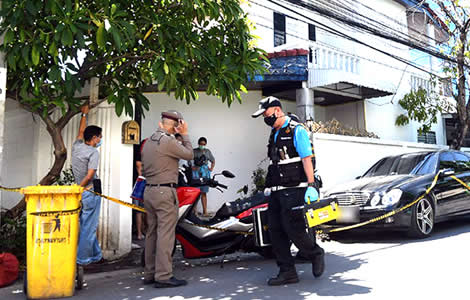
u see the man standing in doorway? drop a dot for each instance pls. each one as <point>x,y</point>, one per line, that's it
<point>291,181</point>
<point>85,161</point>
<point>160,156</point>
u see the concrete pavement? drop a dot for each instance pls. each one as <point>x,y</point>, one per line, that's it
<point>360,266</point>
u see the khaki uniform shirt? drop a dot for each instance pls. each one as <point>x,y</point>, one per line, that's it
<point>160,156</point>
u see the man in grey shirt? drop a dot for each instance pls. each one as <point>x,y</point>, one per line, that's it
<point>85,160</point>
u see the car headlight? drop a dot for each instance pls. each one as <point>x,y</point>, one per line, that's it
<point>392,197</point>
<point>375,200</point>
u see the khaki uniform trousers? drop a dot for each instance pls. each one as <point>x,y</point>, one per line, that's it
<point>161,204</point>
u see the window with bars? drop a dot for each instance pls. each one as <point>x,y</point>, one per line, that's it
<point>427,138</point>
<point>279,29</point>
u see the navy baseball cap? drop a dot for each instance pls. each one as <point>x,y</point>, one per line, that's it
<point>266,103</point>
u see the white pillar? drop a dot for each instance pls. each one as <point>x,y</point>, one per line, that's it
<point>304,100</point>
<point>3,88</point>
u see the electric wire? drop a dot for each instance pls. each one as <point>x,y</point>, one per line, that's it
<point>353,23</point>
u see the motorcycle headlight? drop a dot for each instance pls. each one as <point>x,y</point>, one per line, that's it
<point>375,200</point>
<point>392,197</point>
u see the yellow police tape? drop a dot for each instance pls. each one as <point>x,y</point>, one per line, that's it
<point>136,207</point>
<point>391,213</point>
<point>321,232</point>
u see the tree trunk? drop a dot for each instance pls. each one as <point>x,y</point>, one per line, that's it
<point>60,156</point>
<point>462,129</point>
<point>462,115</point>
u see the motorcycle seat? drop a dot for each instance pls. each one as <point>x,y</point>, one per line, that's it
<point>238,206</point>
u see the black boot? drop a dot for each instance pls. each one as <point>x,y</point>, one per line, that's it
<point>318,264</point>
<point>284,278</point>
<point>172,282</point>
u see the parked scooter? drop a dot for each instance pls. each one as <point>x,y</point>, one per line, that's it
<point>197,236</point>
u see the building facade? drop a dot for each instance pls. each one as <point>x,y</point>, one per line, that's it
<point>321,69</point>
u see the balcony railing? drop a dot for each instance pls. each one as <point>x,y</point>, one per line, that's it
<point>330,59</point>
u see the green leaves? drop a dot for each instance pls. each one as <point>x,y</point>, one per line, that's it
<point>421,106</point>
<point>9,35</point>
<point>35,54</point>
<point>53,48</point>
<point>101,36</point>
<point>67,37</point>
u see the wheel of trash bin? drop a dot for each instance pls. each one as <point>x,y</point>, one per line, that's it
<point>25,284</point>
<point>79,278</point>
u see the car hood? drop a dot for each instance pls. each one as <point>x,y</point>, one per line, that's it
<point>371,184</point>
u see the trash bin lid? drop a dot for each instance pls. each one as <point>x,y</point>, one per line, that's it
<point>52,189</point>
<point>9,268</point>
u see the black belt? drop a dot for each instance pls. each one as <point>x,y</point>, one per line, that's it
<point>172,185</point>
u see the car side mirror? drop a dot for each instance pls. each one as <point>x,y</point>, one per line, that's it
<point>358,177</point>
<point>447,172</point>
<point>228,174</point>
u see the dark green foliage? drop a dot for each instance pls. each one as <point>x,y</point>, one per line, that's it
<point>258,178</point>
<point>53,47</point>
<point>66,178</point>
<point>13,236</point>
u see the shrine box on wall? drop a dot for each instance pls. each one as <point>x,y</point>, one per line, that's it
<point>130,132</point>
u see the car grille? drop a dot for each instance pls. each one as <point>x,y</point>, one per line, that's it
<point>352,198</point>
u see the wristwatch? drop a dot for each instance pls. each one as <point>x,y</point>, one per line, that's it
<point>312,184</point>
<point>83,115</point>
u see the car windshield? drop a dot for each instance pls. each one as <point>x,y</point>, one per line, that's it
<point>413,163</point>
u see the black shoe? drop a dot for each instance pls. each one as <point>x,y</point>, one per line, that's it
<point>318,265</point>
<point>172,282</point>
<point>148,281</point>
<point>300,258</point>
<point>284,278</point>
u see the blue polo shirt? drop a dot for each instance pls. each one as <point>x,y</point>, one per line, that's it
<point>301,140</point>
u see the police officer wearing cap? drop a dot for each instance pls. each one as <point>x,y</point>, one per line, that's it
<point>160,156</point>
<point>290,181</point>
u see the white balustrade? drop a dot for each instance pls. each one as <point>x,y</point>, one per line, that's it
<point>330,59</point>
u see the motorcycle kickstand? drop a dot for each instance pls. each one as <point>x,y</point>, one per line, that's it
<point>222,262</point>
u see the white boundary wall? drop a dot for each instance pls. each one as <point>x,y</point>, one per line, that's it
<point>342,158</point>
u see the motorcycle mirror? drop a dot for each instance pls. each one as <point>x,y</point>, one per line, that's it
<point>245,189</point>
<point>228,174</point>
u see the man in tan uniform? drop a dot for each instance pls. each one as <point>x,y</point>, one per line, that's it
<point>160,156</point>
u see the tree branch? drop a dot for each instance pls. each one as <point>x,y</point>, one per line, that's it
<point>449,15</point>
<point>86,66</point>
<point>111,75</point>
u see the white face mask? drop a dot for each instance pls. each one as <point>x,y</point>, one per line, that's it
<point>202,147</point>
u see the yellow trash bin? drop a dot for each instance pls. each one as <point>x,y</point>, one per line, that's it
<point>52,237</point>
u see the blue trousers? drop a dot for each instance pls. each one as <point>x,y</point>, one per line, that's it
<point>89,250</point>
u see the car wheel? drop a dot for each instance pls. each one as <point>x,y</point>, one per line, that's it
<point>422,219</point>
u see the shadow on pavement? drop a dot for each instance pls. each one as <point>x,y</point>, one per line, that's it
<point>454,227</point>
<point>242,277</point>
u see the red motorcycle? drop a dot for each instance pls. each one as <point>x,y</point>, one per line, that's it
<point>231,229</point>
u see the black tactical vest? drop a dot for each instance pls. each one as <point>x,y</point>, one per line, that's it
<point>286,168</point>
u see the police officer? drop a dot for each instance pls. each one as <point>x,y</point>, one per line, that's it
<point>290,180</point>
<point>160,156</point>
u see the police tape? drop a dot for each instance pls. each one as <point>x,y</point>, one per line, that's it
<point>72,211</point>
<point>130,205</point>
<point>322,232</point>
<point>57,212</point>
<point>393,212</point>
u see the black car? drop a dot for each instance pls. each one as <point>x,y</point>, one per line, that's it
<point>395,181</point>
